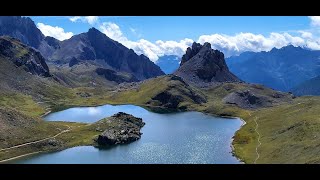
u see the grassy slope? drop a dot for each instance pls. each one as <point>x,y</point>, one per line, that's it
<point>290,133</point>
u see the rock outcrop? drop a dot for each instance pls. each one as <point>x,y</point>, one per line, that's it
<point>256,98</point>
<point>203,66</point>
<point>23,56</point>
<point>126,129</point>
<point>112,75</point>
<point>176,93</point>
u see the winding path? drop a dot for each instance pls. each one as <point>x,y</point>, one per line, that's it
<point>256,129</point>
<point>257,125</point>
<point>20,156</point>
<point>33,142</point>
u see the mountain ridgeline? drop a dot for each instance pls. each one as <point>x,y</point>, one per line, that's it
<point>281,69</point>
<point>309,87</point>
<point>96,48</point>
<point>92,48</point>
<point>203,66</point>
<point>22,28</point>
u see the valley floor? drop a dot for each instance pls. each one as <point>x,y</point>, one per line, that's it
<point>286,133</point>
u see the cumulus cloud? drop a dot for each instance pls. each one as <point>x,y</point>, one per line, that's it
<point>228,44</point>
<point>306,35</point>
<point>315,20</point>
<point>75,18</point>
<point>142,46</point>
<point>113,31</point>
<point>86,19</point>
<point>56,32</point>
<point>233,45</point>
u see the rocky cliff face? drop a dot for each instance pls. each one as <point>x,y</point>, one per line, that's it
<point>23,56</point>
<point>127,130</point>
<point>22,28</point>
<point>97,48</point>
<point>203,66</point>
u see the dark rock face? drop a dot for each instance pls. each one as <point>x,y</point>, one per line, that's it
<point>53,42</point>
<point>127,130</point>
<point>203,66</point>
<point>97,48</point>
<point>113,76</point>
<point>168,100</point>
<point>22,28</point>
<point>22,55</point>
<point>191,52</point>
<point>73,62</point>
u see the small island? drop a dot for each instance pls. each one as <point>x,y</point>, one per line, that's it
<point>124,128</point>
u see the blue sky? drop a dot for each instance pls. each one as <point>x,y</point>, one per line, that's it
<point>155,36</point>
<point>175,28</point>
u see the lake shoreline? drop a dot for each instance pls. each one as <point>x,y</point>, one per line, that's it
<point>232,139</point>
<point>209,114</point>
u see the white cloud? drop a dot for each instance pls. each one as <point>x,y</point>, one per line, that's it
<point>92,19</point>
<point>228,44</point>
<point>86,19</point>
<point>305,34</point>
<point>233,45</point>
<point>113,31</point>
<point>315,20</point>
<point>75,18</point>
<point>142,46</point>
<point>173,47</point>
<point>56,32</point>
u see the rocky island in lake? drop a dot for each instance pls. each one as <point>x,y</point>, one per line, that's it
<point>123,128</point>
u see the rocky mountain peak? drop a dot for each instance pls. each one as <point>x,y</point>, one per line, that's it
<point>98,49</point>
<point>202,65</point>
<point>94,30</point>
<point>22,28</point>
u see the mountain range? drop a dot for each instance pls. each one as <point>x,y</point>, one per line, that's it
<point>309,87</point>
<point>168,63</point>
<point>281,69</point>
<point>91,53</point>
